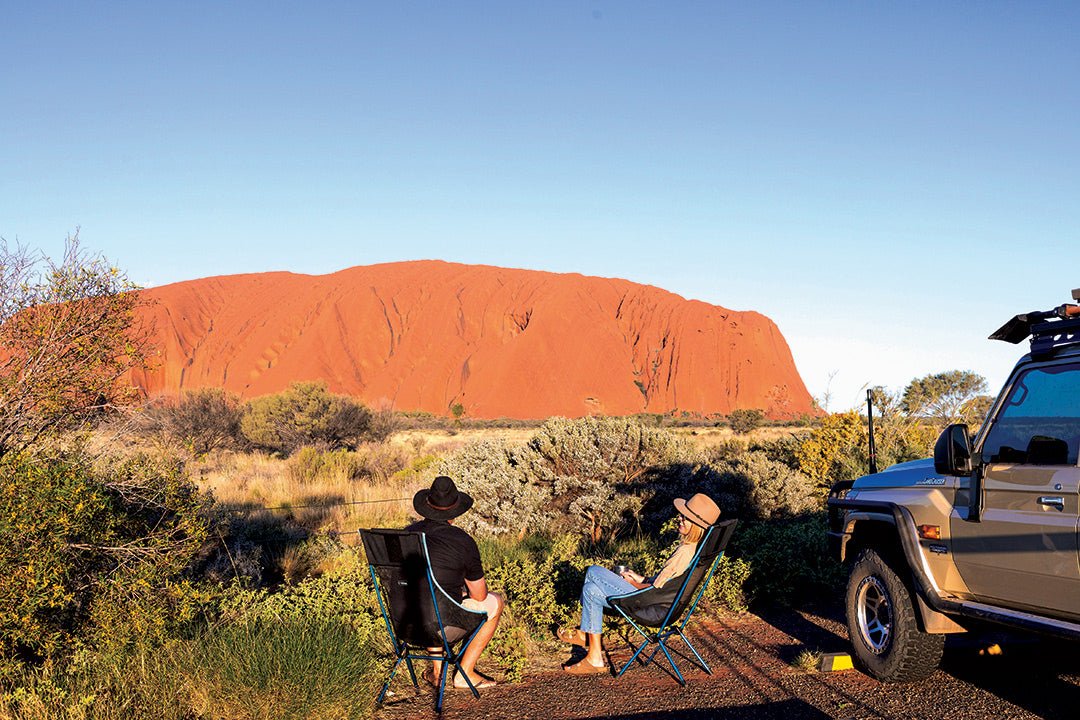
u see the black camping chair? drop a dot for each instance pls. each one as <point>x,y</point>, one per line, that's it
<point>667,610</point>
<point>419,614</point>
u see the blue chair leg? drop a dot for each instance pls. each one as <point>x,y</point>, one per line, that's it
<point>467,681</point>
<point>632,658</point>
<point>386,685</point>
<point>678,675</point>
<point>412,672</point>
<point>701,660</point>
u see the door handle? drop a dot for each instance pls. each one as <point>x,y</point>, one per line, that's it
<point>1052,501</point>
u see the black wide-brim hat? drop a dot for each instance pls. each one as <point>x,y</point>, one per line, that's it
<point>443,501</point>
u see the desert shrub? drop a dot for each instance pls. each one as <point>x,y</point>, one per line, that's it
<point>381,461</point>
<point>596,469</point>
<point>292,667</point>
<point>348,596</point>
<point>305,414</point>
<point>744,421</point>
<point>73,534</point>
<point>506,500</point>
<point>789,560</point>
<point>838,449</point>
<point>754,486</point>
<point>310,464</point>
<point>144,685</point>
<point>728,448</point>
<point>200,420</point>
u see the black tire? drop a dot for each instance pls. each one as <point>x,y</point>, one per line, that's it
<point>882,626</point>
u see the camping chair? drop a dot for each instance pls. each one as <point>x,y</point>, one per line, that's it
<point>419,614</point>
<point>668,609</point>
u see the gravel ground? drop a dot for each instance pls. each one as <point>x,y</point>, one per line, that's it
<point>753,678</point>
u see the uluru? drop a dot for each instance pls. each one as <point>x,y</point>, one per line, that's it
<point>498,342</point>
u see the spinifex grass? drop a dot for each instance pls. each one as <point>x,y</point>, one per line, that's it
<point>294,668</point>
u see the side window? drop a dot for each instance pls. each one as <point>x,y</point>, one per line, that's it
<point>1039,424</point>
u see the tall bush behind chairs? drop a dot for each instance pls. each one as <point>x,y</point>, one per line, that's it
<point>658,613</point>
<point>419,614</point>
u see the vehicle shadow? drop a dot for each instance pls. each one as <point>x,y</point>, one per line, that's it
<point>1040,675</point>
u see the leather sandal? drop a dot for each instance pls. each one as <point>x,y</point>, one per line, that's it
<point>574,636</point>
<point>584,667</point>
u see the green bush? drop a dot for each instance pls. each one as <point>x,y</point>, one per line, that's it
<point>789,560</point>
<point>310,464</point>
<point>744,421</point>
<point>305,414</point>
<point>72,534</point>
<point>727,589</point>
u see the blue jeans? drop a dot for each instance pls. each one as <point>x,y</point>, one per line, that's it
<point>599,584</point>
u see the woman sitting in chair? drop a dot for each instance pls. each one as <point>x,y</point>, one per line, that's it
<point>695,516</point>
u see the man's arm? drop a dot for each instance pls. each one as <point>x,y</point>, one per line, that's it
<point>477,589</point>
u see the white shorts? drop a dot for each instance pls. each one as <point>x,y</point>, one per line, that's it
<point>490,604</point>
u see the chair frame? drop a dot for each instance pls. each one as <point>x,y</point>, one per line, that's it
<point>404,652</point>
<point>670,625</point>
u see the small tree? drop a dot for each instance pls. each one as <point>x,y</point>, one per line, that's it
<point>305,414</point>
<point>745,421</point>
<point>948,397</point>
<point>67,336</point>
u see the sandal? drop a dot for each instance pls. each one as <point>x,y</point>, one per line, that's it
<point>574,636</point>
<point>584,667</point>
<point>481,684</point>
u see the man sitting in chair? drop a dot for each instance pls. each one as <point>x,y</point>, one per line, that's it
<point>455,562</point>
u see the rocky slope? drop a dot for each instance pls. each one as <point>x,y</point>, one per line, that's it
<point>428,335</point>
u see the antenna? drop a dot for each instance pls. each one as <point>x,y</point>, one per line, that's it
<point>870,421</point>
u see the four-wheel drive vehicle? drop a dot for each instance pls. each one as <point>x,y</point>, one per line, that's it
<point>984,531</point>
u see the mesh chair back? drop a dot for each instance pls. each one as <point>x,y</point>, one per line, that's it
<point>419,609</point>
<point>712,545</point>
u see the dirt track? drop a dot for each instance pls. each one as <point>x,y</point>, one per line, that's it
<point>753,679</point>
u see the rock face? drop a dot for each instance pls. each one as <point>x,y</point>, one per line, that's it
<point>429,335</point>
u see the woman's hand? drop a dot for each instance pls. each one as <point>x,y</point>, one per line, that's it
<point>633,578</point>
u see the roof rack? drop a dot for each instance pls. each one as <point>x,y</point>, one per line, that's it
<point>1048,329</point>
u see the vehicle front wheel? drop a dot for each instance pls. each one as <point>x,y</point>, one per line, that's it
<point>881,622</point>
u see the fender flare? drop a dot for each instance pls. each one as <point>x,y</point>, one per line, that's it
<point>901,518</point>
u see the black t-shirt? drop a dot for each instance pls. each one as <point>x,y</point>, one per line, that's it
<point>454,555</point>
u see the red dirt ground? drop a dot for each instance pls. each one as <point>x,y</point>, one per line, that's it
<point>753,679</point>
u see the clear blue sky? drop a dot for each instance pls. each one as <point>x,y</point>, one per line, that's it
<point>888,181</point>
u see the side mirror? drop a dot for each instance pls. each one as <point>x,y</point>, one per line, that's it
<point>952,452</point>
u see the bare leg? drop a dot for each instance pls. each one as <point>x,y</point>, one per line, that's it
<point>479,642</point>
<point>595,649</point>
<point>436,665</point>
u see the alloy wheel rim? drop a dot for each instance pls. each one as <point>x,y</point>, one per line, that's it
<point>873,613</point>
